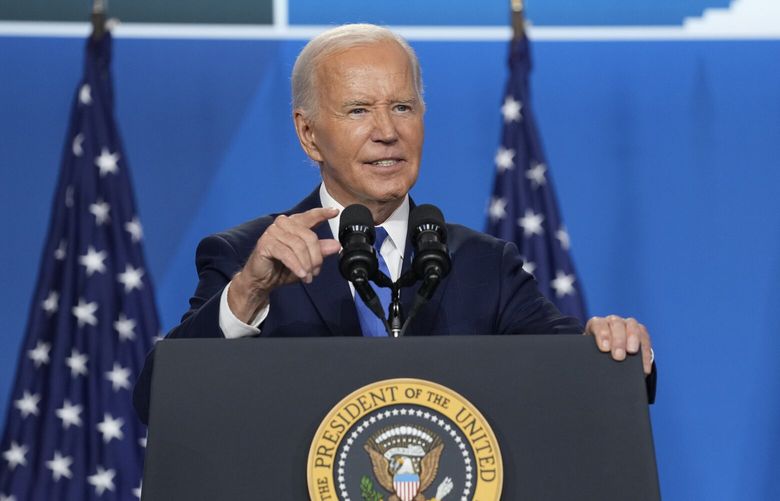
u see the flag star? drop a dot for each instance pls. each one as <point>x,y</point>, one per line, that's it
<point>131,278</point>
<point>3,497</point>
<point>107,162</point>
<point>119,377</point>
<point>77,363</point>
<point>142,442</point>
<point>60,466</point>
<point>135,229</point>
<point>528,266</point>
<point>16,455</point>
<point>61,251</point>
<point>505,159</point>
<point>93,261</point>
<point>100,210</point>
<point>124,327</point>
<point>536,174</point>
<point>563,237</point>
<point>77,147</point>
<point>85,312</point>
<point>137,491</point>
<point>69,196</point>
<point>102,480</point>
<point>28,404</point>
<point>497,208</point>
<point>40,354</point>
<point>110,428</point>
<point>51,303</point>
<point>70,414</point>
<point>511,109</point>
<point>85,94</point>
<point>531,223</point>
<point>563,284</point>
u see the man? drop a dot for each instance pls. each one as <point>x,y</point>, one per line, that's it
<point>358,113</point>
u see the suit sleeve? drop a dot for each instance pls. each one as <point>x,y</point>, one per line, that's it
<point>216,261</point>
<point>522,308</point>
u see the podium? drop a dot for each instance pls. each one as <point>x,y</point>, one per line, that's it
<point>235,419</point>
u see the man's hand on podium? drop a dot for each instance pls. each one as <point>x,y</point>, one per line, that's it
<point>621,336</point>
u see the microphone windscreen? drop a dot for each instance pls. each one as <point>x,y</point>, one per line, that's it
<point>356,217</point>
<point>427,217</point>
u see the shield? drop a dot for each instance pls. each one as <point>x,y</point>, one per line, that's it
<point>406,486</point>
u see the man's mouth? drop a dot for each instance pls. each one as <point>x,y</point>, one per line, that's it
<point>385,162</point>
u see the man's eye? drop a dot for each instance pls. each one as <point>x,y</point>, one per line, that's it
<point>357,111</point>
<point>403,107</point>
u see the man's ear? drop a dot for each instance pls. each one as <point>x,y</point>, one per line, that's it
<point>305,131</point>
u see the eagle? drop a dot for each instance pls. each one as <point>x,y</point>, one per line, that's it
<point>410,465</point>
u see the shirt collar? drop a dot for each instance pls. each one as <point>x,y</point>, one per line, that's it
<point>396,225</point>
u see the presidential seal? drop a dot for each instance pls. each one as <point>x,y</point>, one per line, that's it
<point>404,440</point>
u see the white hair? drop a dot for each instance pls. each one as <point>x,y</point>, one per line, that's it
<point>304,74</point>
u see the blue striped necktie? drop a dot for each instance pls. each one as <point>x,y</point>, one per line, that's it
<point>369,323</point>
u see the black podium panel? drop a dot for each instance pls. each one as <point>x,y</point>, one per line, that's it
<point>234,419</point>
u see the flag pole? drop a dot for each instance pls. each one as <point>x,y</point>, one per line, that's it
<point>99,8</point>
<point>518,18</point>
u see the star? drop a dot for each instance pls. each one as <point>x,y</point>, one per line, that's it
<point>511,110</point>
<point>77,363</point>
<point>563,237</point>
<point>60,252</point>
<point>531,223</point>
<point>137,491</point>
<point>504,159</point>
<point>3,497</point>
<point>69,196</point>
<point>135,229</point>
<point>107,162</point>
<point>60,466</point>
<point>40,354</point>
<point>100,210</point>
<point>78,150</point>
<point>119,377</point>
<point>142,442</point>
<point>536,174</point>
<point>70,414</point>
<point>51,303</point>
<point>497,208</point>
<point>131,278</point>
<point>85,94</point>
<point>16,455</point>
<point>93,261</point>
<point>563,284</point>
<point>102,479</point>
<point>110,428</point>
<point>85,313</point>
<point>28,404</point>
<point>124,327</point>
<point>528,266</point>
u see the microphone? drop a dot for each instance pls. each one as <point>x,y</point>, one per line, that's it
<point>358,262</point>
<point>431,261</point>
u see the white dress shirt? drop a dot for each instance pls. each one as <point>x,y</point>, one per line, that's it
<point>392,252</point>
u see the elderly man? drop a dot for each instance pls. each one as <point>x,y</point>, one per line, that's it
<point>358,112</point>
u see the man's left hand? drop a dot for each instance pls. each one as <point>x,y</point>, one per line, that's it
<point>621,336</point>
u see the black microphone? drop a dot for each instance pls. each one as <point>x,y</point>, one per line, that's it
<point>358,262</point>
<point>431,261</point>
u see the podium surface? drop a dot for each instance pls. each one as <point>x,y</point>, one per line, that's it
<point>234,419</point>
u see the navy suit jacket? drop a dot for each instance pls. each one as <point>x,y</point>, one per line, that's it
<point>486,292</point>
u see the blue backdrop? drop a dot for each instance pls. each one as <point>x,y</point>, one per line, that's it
<point>665,157</point>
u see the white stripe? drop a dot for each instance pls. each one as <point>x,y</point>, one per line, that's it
<point>280,15</point>
<point>281,31</point>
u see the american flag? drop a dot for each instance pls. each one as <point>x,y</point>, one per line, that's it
<point>523,208</point>
<point>71,432</point>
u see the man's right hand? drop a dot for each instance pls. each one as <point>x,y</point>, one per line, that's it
<point>288,251</point>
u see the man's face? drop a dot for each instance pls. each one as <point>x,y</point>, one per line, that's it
<point>368,132</point>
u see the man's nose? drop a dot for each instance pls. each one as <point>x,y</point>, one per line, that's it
<point>384,127</point>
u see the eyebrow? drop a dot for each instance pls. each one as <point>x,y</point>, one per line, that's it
<point>361,102</point>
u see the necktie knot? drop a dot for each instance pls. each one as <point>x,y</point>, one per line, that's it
<point>381,235</point>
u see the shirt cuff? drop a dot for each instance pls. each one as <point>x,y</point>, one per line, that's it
<point>232,327</point>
